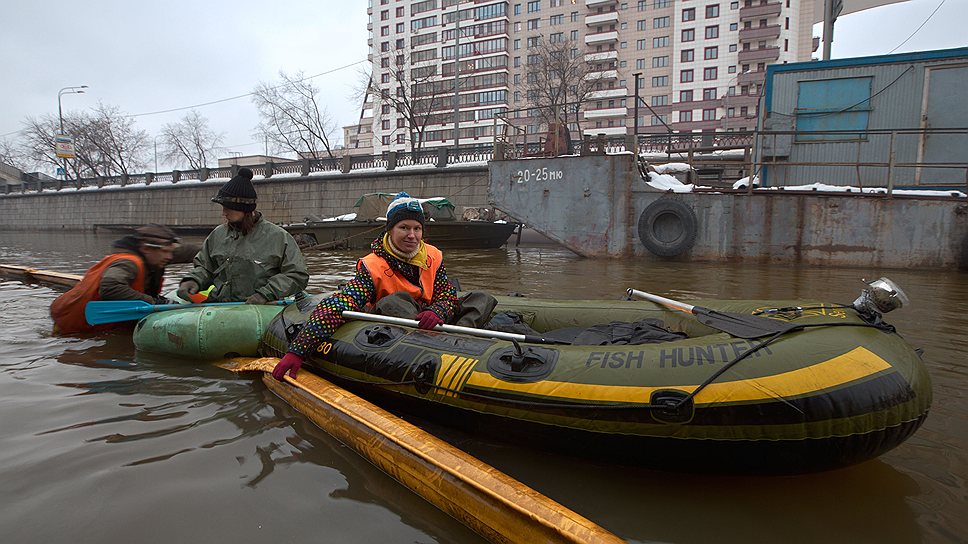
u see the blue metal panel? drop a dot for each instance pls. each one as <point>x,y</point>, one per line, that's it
<point>833,104</point>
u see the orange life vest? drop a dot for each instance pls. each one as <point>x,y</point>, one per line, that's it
<point>68,309</point>
<point>389,281</point>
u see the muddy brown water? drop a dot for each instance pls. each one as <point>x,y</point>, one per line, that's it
<point>101,444</point>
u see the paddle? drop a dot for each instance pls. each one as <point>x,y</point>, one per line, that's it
<point>98,312</point>
<point>483,333</point>
<point>738,325</point>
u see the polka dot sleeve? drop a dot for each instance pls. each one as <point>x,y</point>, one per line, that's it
<point>327,317</point>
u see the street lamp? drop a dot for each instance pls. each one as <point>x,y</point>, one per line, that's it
<point>60,112</point>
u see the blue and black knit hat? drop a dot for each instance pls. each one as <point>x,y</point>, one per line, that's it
<point>403,207</point>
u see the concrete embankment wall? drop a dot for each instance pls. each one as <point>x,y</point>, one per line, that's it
<point>281,199</point>
<point>596,206</point>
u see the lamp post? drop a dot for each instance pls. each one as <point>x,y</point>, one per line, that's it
<point>60,112</point>
<point>635,123</point>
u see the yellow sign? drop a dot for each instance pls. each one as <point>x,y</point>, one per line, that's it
<point>64,147</point>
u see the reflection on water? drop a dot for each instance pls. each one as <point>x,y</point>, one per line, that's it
<point>121,445</point>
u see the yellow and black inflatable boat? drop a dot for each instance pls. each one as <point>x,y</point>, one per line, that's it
<point>837,391</point>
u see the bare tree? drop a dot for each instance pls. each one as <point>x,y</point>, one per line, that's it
<point>12,155</point>
<point>419,96</point>
<point>558,80</point>
<point>292,117</point>
<point>190,141</point>
<point>106,142</point>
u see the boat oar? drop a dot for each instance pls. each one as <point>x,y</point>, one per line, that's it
<point>98,312</point>
<point>483,333</point>
<point>738,325</point>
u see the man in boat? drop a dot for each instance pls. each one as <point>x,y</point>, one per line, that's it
<point>247,258</point>
<point>403,276</point>
<point>133,272</point>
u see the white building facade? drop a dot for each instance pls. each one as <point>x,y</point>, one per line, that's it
<point>701,63</point>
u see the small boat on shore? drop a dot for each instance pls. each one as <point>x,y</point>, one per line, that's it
<point>834,390</point>
<point>442,229</point>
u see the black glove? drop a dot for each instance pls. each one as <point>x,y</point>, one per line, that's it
<point>187,288</point>
<point>163,300</point>
<point>257,298</point>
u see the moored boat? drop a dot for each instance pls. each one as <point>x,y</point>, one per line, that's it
<point>839,390</point>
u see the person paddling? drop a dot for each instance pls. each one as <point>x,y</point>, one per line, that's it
<point>133,272</point>
<point>403,277</point>
<point>247,258</point>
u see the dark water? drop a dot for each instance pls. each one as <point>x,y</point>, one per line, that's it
<point>102,444</point>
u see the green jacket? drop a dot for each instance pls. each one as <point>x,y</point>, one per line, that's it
<point>267,261</point>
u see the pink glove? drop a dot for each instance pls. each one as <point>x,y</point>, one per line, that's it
<point>428,320</point>
<point>290,363</point>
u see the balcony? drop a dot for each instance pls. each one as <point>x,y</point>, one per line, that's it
<point>605,112</point>
<point>602,18</point>
<point>601,37</point>
<point>739,100</point>
<point>699,104</point>
<point>599,3</point>
<point>769,32</point>
<point>601,76</point>
<point>761,11</point>
<point>604,55</point>
<point>767,54</point>
<point>751,77</point>
<point>607,131</point>
<point>608,93</point>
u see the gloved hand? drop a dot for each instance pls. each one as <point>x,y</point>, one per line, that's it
<point>428,320</point>
<point>186,289</point>
<point>256,298</point>
<point>163,300</point>
<point>290,363</point>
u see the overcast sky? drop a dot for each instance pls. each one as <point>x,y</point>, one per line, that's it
<point>152,56</point>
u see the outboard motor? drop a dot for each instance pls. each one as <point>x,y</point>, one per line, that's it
<point>880,297</point>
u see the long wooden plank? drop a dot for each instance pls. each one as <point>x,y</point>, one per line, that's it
<point>35,275</point>
<point>496,506</point>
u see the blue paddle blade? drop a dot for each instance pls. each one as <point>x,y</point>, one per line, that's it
<point>99,312</point>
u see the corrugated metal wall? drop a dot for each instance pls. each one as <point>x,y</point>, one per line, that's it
<point>897,102</point>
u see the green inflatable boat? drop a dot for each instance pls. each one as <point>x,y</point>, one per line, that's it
<point>829,389</point>
<point>205,333</point>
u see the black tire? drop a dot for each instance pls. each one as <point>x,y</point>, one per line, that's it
<point>668,227</point>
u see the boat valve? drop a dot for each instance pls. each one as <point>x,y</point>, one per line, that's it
<point>880,297</point>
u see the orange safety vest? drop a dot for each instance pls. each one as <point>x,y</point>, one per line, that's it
<point>68,309</point>
<point>389,281</point>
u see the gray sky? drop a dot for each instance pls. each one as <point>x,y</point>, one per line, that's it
<point>146,57</point>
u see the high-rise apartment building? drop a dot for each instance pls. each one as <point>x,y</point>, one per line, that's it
<point>701,63</point>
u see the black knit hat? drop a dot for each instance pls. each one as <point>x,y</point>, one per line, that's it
<point>404,207</point>
<point>238,194</point>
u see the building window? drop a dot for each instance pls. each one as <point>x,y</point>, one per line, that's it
<point>640,64</point>
<point>833,104</point>
<point>660,22</point>
<point>687,55</point>
<point>685,116</point>
<point>556,20</point>
<point>574,16</point>
<point>732,48</point>
<point>384,31</point>
<point>709,74</point>
<point>385,78</point>
<point>401,138</point>
<point>385,62</point>
<point>641,5</point>
<point>641,24</point>
<point>733,26</point>
<point>534,5</point>
<point>533,24</point>
<point>685,76</point>
<point>712,11</point>
<point>689,14</point>
<point>659,4</point>
<point>641,44</point>
<point>712,32</point>
<point>385,140</point>
<point>711,53</point>
<point>688,35</point>
<point>685,96</point>
<point>661,41</point>
<point>734,5</point>
<point>517,9</point>
<point>660,81</point>
<point>709,94</point>
<point>661,100</point>
<point>660,62</point>
<point>574,35</point>
<point>709,114</point>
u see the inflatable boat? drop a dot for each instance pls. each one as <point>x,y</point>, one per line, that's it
<point>832,387</point>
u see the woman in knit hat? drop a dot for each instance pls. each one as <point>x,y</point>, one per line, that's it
<point>247,258</point>
<point>402,276</point>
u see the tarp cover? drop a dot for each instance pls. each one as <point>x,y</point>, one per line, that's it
<point>373,206</point>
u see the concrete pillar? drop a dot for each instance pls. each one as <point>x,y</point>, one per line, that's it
<point>391,160</point>
<point>346,164</point>
<point>269,169</point>
<point>586,145</point>
<point>202,174</point>
<point>59,184</point>
<point>149,177</point>
<point>630,143</point>
<point>100,181</point>
<point>175,176</point>
<point>124,180</point>
<point>304,167</point>
<point>500,149</point>
<point>234,170</point>
<point>442,153</point>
